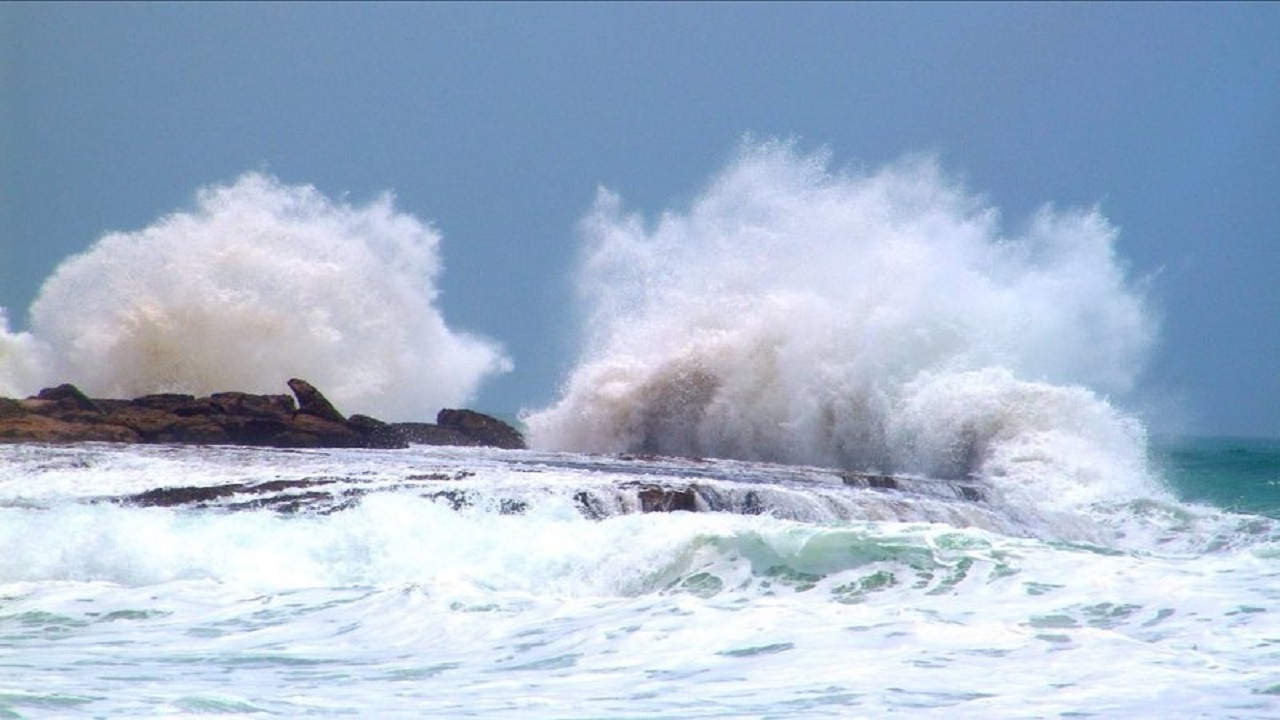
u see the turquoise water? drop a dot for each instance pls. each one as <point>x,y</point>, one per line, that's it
<point>467,582</point>
<point>1237,474</point>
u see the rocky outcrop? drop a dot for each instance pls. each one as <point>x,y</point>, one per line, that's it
<point>483,429</point>
<point>667,486</point>
<point>432,434</point>
<point>463,427</point>
<point>65,414</point>
<point>311,402</point>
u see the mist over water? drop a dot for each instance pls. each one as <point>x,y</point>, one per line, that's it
<point>881,320</point>
<point>259,282</point>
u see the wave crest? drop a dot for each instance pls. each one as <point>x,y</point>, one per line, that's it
<point>880,320</point>
<point>261,282</point>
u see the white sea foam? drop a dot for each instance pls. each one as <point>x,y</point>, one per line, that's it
<point>881,320</point>
<point>401,605</point>
<point>259,282</point>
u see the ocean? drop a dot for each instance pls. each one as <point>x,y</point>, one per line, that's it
<point>894,447</point>
<point>533,588</point>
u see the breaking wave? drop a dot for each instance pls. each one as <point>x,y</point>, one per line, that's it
<point>260,282</point>
<point>875,320</point>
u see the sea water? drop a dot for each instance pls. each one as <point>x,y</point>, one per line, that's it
<point>832,602</point>
<point>911,482</point>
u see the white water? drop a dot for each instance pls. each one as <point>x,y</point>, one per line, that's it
<point>876,321</point>
<point>258,283</point>
<point>401,606</point>
<point>885,321</point>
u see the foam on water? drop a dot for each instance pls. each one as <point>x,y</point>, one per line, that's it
<point>403,604</point>
<point>259,282</point>
<point>872,321</point>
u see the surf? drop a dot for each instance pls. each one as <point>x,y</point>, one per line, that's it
<point>874,320</point>
<point>258,282</point>
<point>885,321</point>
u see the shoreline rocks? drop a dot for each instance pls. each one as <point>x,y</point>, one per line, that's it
<point>64,414</point>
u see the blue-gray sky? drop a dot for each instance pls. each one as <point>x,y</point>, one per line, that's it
<point>497,123</point>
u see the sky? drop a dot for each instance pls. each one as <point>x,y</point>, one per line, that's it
<point>497,123</point>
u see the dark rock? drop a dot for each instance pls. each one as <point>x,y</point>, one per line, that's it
<point>432,434</point>
<point>238,403</point>
<point>482,428</point>
<point>590,506</point>
<point>195,430</point>
<point>198,408</point>
<point>310,431</point>
<point>68,394</point>
<point>174,496</point>
<point>10,408</point>
<point>311,402</point>
<point>655,498</point>
<point>64,414</point>
<point>147,422</point>
<point>254,430</point>
<point>170,418</point>
<point>882,482</point>
<point>111,405</point>
<point>376,433</point>
<point>163,401</point>
<point>869,480</point>
<point>274,494</point>
<point>32,427</point>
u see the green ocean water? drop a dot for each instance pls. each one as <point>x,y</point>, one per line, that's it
<point>896,603</point>
<point>1237,474</point>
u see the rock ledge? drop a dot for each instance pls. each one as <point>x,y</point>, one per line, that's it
<point>64,414</point>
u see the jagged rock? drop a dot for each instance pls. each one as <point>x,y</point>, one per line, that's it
<point>311,402</point>
<point>65,414</point>
<point>484,429</point>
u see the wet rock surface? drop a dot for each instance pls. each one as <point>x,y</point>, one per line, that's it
<point>625,485</point>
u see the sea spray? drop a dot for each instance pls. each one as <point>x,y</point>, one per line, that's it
<point>260,282</point>
<point>20,360</point>
<point>873,321</point>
